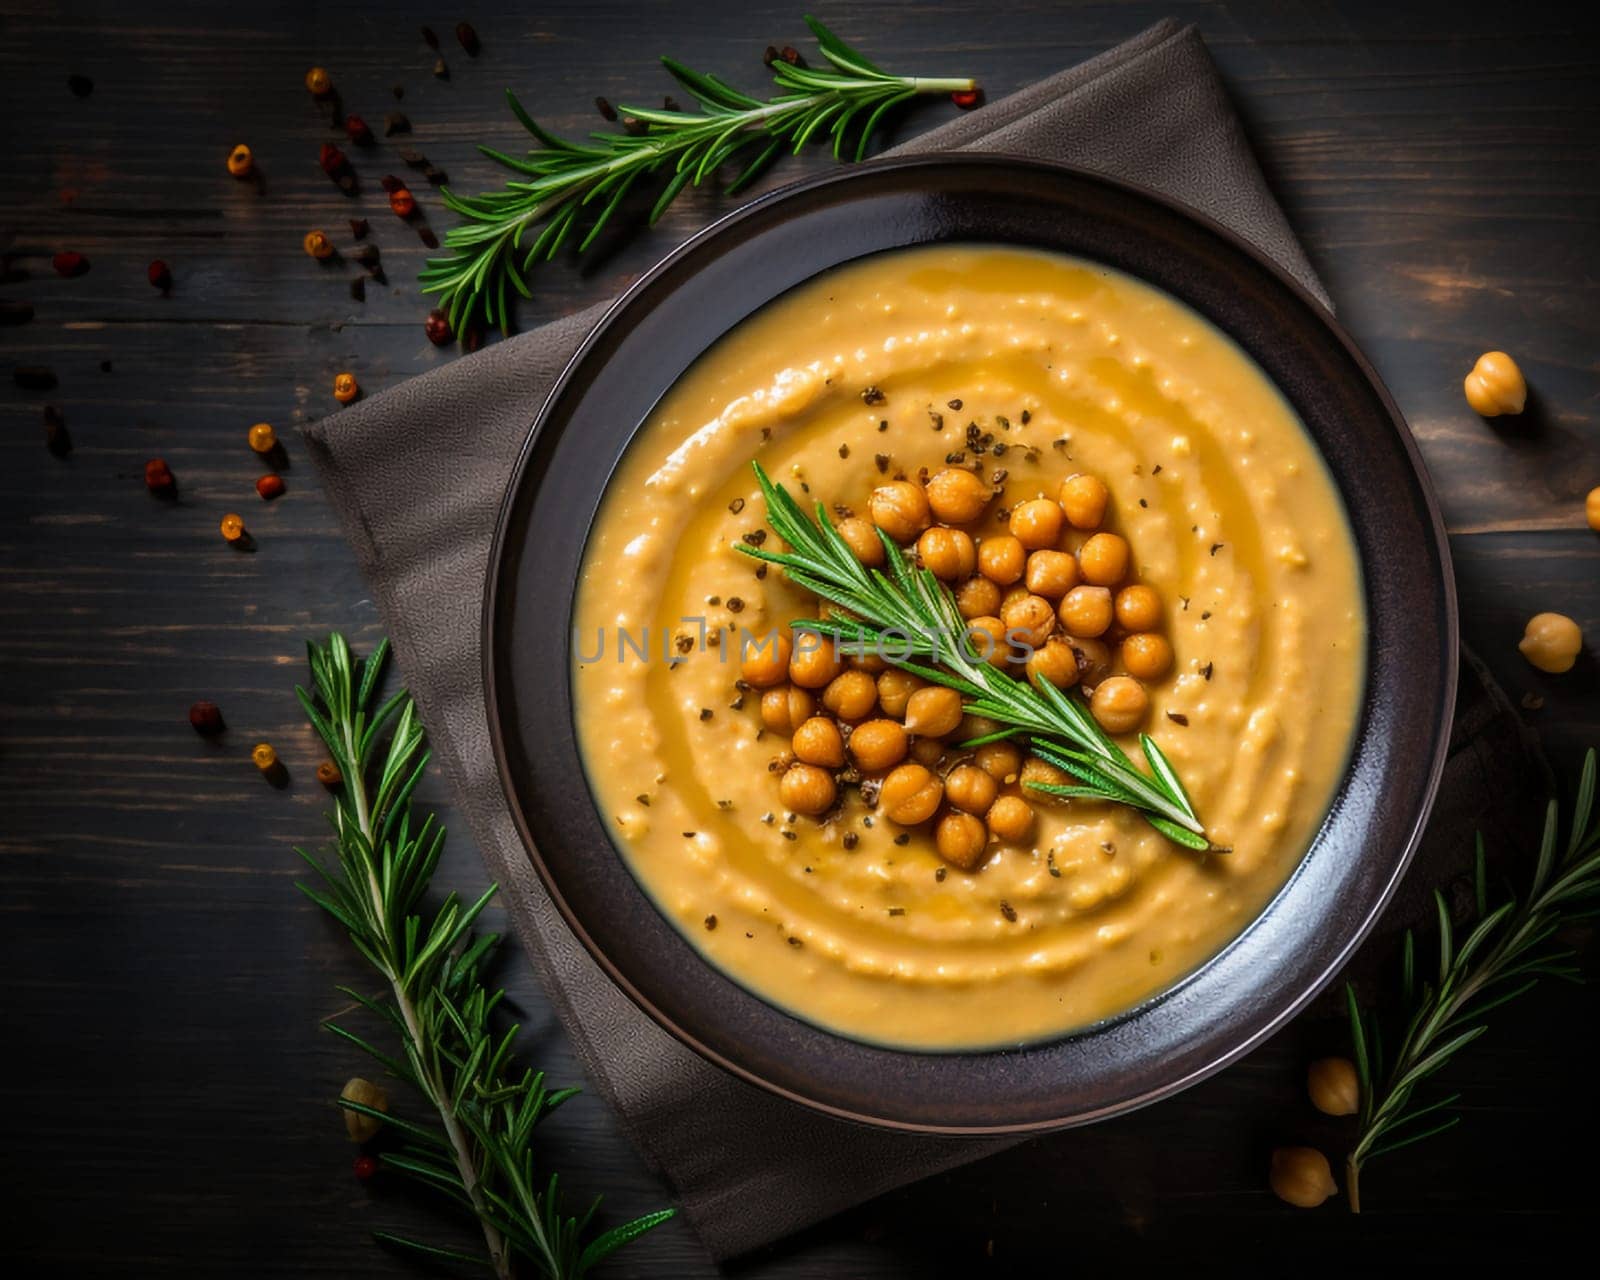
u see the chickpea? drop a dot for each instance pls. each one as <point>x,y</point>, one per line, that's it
<point>1010,819</point>
<point>900,509</point>
<point>1147,655</point>
<point>1002,559</point>
<point>928,751</point>
<point>961,840</point>
<point>1551,642</point>
<point>933,712</point>
<point>987,639</point>
<point>976,597</point>
<point>969,787</point>
<point>764,660</point>
<point>1094,661</point>
<point>874,664</point>
<point>1300,1176</point>
<point>877,745</point>
<point>947,553</point>
<point>819,742</point>
<point>1119,704</point>
<point>1011,595</point>
<point>851,695</point>
<point>1002,761</point>
<point>1083,499</point>
<point>1036,771</point>
<point>785,708</point>
<point>1334,1086</point>
<point>862,537</point>
<point>815,661</point>
<point>1054,662</point>
<point>1103,560</point>
<point>1051,573</point>
<point>957,496</point>
<point>1496,385</point>
<point>1085,612</point>
<point>1138,608</point>
<point>1591,508</point>
<point>910,795</point>
<point>1036,523</point>
<point>1029,621</point>
<point>972,726</point>
<point>894,691</point>
<point>807,789</point>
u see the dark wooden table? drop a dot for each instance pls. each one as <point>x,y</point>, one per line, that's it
<point>167,1090</point>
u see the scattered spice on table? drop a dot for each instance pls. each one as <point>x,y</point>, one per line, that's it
<point>241,164</point>
<point>56,437</point>
<point>358,131</point>
<point>468,38</point>
<point>262,438</point>
<point>606,110</point>
<point>81,86</point>
<point>366,1167</point>
<point>158,478</point>
<point>69,263</point>
<point>429,38</point>
<point>441,70</point>
<point>345,388</point>
<point>206,718</point>
<point>318,245</point>
<point>232,529</point>
<point>159,274</point>
<point>437,327</point>
<point>328,774</point>
<point>966,99</point>
<point>395,122</point>
<point>319,82</point>
<point>426,234</point>
<point>358,288</point>
<point>359,228</point>
<point>270,486</point>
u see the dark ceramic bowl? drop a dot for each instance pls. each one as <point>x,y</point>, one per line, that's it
<point>1310,928</point>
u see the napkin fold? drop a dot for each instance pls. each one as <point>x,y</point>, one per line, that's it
<point>746,1167</point>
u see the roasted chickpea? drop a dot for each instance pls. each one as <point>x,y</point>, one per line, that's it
<point>1334,1086</point>
<point>819,742</point>
<point>987,639</point>
<point>1496,385</point>
<point>894,691</point>
<point>928,751</point>
<point>1002,559</point>
<point>874,664</point>
<point>1138,608</point>
<point>815,661</point>
<point>1591,509</point>
<point>1103,560</point>
<point>862,538</point>
<point>1083,499</point>
<point>957,496</point>
<point>976,597</point>
<point>1051,574</point>
<point>1119,704</point>
<point>972,726</point>
<point>947,553</point>
<point>851,695</point>
<point>1002,761</point>
<point>877,745</point>
<point>910,795</point>
<point>1036,771</point>
<point>1029,621</point>
<point>961,840</point>
<point>764,660</point>
<point>1300,1176</point>
<point>1054,661</point>
<point>1551,642</point>
<point>1147,655</point>
<point>807,789</point>
<point>900,509</point>
<point>1085,611</point>
<point>933,712</point>
<point>1094,661</point>
<point>1010,818</point>
<point>969,787</point>
<point>785,708</point>
<point>1036,523</point>
<point>1011,595</point>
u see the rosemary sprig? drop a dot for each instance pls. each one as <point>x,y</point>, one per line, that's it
<point>909,618</point>
<point>574,187</point>
<point>1508,950</point>
<point>479,1155</point>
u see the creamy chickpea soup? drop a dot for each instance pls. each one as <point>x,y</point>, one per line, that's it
<point>1080,458</point>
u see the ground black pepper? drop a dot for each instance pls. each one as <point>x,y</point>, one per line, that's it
<point>1008,911</point>
<point>871,395</point>
<point>711,923</point>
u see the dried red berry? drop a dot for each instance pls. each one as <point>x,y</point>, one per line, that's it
<point>69,263</point>
<point>966,99</point>
<point>270,486</point>
<point>358,131</point>
<point>158,477</point>
<point>365,1167</point>
<point>468,38</point>
<point>206,717</point>
<point>437,327</point>
<point>333,161</point>
<point>159,275</point>
<point>403,203</point>
<point>391,184</point>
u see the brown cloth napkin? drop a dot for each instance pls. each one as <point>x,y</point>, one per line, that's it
<point>747,1167</point>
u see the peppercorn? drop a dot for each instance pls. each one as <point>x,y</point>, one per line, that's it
<point>158,478</point>
<point>241,164</point>
<point>365,1167</point>
<point>437,327</point>
<point>402,202</point>
<point>69,264</point>
<point>262,438</point>
<point>262,754</point>
<point>345,388</point>
<point>56,438</point>
<point>966,99</point>
<point>468,38</point>
<point>333,161</point>
<point>357,131</point>
<point>328,774</point>
<point>159,274</point>
<point>234,532</point>
<point>206,717</point>
<point>319,82</point>
<point>318,245</point>
<point>270,486</point>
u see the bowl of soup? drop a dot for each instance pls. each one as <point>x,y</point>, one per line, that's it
<point>1158,496</point>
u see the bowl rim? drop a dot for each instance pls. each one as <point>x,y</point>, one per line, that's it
<point>1217,1061</point>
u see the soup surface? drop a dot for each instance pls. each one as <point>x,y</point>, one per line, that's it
<point>875,371</point>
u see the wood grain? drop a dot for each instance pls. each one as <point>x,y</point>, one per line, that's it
<point>168,1092</point>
